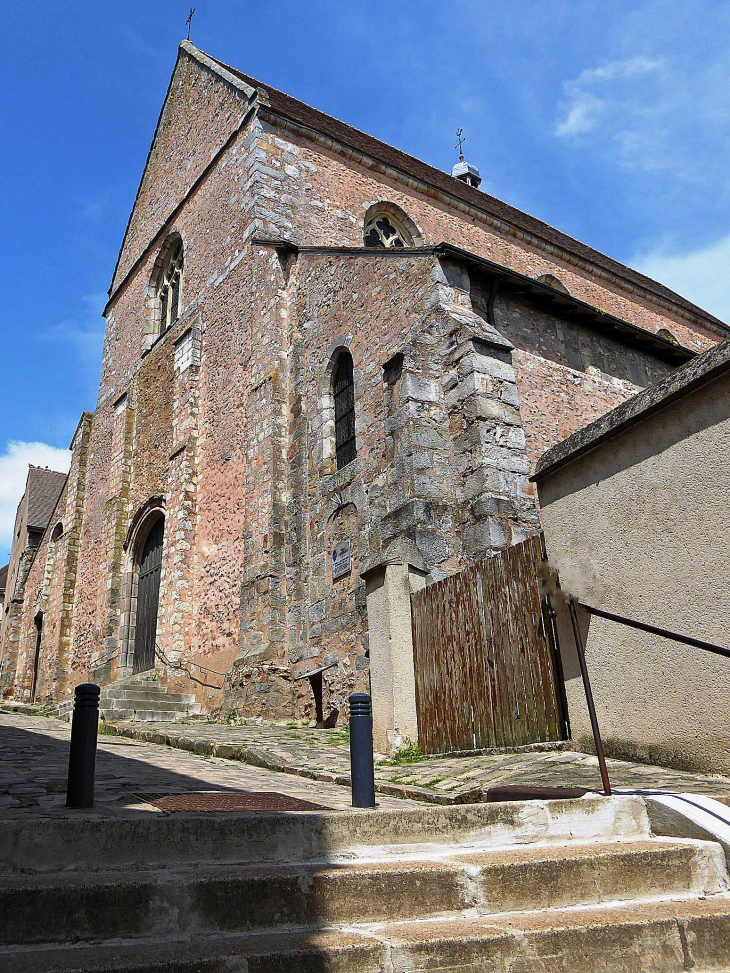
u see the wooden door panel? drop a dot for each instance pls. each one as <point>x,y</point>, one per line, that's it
<point>486,666</point>
<point>148,599</point>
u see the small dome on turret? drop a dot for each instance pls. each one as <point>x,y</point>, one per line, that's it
<point>464,170</point>
<point>467,172</point>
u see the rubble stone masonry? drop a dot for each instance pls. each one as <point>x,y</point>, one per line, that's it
<point>224,424</point>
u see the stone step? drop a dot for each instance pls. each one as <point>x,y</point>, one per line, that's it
<point>145,702</point>
<point>662,936</point>
<point>61,908</point>
<point>83,841</point>
<point>134,692</point>
<point>148,715</point>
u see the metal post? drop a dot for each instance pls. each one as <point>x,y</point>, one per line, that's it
<point>589,699</point>
<point>82,756</point>
<point>362,766</point>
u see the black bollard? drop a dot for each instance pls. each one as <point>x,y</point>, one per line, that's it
<point>362,766</point>
<point>82,756</point>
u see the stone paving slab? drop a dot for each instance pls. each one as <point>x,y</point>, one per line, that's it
<point>323,755</point>
<point>34,765</point>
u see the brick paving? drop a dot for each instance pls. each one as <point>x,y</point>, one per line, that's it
<point>34,765</point>
<point>324,755</point>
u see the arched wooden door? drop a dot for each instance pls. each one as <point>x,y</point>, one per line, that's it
<point>148,597</point>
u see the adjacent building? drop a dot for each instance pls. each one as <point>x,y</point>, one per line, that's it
<point>42,489</point>
<point>636,512</point>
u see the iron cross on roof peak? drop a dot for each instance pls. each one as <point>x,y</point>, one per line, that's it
<point>189,21</point>
<point>459,142</point>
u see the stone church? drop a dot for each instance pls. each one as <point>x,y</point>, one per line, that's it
<point>324,361</point>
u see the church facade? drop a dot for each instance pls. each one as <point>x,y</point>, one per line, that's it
<point>322,357</point>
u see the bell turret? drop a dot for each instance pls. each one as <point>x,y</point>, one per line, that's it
<point>464,170</point>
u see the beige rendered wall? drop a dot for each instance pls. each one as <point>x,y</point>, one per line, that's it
<point>640,527</point>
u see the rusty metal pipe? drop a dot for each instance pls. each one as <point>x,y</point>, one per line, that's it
<point>589,698</point>
<point>655,630</point>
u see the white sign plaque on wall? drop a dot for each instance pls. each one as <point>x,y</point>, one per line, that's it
<point>341,563</point>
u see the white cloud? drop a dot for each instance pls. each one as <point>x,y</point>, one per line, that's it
<point>702,275</point>
<point>650,114</point>
<point>13,474</point>
<point>583,106</point>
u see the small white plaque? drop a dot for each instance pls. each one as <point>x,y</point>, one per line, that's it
<point>341,563</point>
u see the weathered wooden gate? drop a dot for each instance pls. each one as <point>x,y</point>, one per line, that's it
<point>487,670</point>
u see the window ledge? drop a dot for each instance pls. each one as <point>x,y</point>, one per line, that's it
<point>345,476</point>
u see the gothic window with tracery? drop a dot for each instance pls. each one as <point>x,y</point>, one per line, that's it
<point>343,390</point>
<point>384,230</point>
<point>170,294</point>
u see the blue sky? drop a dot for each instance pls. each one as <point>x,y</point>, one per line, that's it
<point>609,121</point>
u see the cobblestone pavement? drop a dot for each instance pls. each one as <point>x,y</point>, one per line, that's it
<point>324,755</point>
<point>34,764</point>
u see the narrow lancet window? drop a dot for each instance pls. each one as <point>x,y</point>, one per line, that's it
<point>343,389</point>
<point>171,290</point>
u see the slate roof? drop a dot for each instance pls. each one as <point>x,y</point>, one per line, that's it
<point>702,369</point>
<point>298,111</point>
<point>4,577</point>
<point>43,490</point>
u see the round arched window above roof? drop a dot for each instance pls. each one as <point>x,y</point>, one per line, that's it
<point>384,231</point>
<point>552,281</point>
<point>668,336</point>
<point>387,227</point>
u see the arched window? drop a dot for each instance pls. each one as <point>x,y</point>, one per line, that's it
<point>386,227</point>
<point>554,282</point>
<point>57,532</point>
<point>667,335</point>
<point>170,292</point>
<point>343,392</point>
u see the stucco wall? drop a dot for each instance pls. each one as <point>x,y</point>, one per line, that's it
<point>639,527</point>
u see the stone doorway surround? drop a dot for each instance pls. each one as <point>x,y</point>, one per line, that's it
<point>142,523</point>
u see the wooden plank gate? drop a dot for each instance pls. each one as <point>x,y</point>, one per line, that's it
<point>487,670</point>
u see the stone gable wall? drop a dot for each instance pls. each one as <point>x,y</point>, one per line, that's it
<point>200,114</point>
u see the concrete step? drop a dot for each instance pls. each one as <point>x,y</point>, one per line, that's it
<point>663,936</point>
<point>141,699</point>
<point>85,842</point>
<point>61,908</point>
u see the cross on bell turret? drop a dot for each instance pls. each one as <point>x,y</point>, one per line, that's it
<point>464,170</point>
